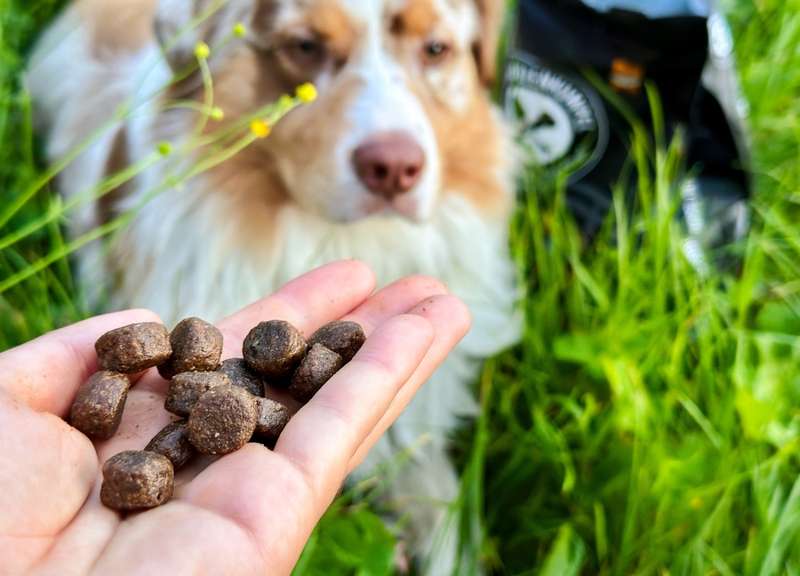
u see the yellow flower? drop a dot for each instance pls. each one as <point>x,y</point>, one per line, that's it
<point>240,31</point>
<point>202,51</point>
<point>306,92</point>
<point>260,128</point>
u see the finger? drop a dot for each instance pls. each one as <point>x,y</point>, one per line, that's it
<point>181,539</point>
<point>79,544</point>
<point>45,373</point>
<point>266,496</point>
<point>323,436</point>
<point>397,298</point>
<point>314,299</point>
<point>451,321</point>
<point>46,470</point>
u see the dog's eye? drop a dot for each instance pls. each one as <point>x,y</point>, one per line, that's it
<point>435,51</point>
<point>306,51</point>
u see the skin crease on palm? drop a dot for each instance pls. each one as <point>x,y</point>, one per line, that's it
<point>249,512</point>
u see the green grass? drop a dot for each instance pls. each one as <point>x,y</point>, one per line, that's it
<point>649,422</point>
<point>47,300</point>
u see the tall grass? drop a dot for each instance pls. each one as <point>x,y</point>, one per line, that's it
<point>647,423</point>
<point>47,300</point>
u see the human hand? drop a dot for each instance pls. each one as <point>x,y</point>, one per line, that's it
<point>249,512</point>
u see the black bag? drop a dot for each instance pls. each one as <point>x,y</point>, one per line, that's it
<point>563,119</point>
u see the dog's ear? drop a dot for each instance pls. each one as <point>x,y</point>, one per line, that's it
<point>492,16</point>
<point>181,24</point>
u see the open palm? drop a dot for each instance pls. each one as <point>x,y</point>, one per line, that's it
<point>246,513</point>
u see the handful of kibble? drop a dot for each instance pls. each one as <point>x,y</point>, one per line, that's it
<point>221,406</point>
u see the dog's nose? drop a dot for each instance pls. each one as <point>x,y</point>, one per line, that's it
<point>389,164</point>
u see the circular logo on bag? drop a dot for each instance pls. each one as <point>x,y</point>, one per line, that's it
<point>560,119</point>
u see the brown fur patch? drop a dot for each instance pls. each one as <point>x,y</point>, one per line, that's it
<point>492,13</point>
<point>418,18</point>
<point>118,26</point>
<point>251,183</point>
<point>332,24</point>
<point>245,83</point>
<point>243,86</point>
<point>263,15</point>
<point>118,160</point>
<point>314,130</point>
<point>249,179</point>
<point>471,144</point>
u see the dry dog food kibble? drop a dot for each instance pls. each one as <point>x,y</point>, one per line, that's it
<point>319,365</point>
<point>223,405</point>
<point>272,419</point>
<point>133,348</point>
<point>173,442</point>
<point>223,420</point>
<point>196,347</point>
<point>97,409</point>
<point>136,480</point>
<point>343,337</point>
<point>186,388</point>
<point>240,375</point>
<point>274,349</point>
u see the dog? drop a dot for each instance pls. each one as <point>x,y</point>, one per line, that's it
<point>402,161</point>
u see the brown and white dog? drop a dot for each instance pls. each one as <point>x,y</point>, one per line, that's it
<point>402,162</point>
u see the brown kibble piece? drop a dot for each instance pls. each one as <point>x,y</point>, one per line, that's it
<point>133,348</point>
<point>186,388</point>
<point>343,337</point>
<point>135,480</point>
<point>223,420</point>
<point>196,347</point>
<point>173,442</point>
<point>240,375</point>
<point>272,419</point>
<point>274,349</point>
<point>319,366</point>
<point>97,409</point>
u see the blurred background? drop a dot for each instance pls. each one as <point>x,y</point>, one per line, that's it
<point>649,421</point>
